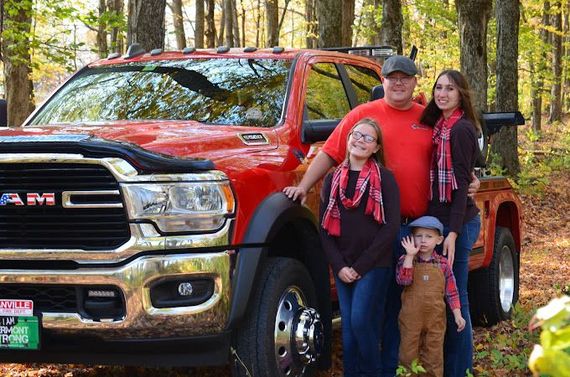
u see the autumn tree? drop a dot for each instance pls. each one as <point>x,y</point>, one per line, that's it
<point>347,22</point>
<point>16,26</point>
<point>311,24</point>
<point>210,32</point>
<point>540,69</point>
<point>272,22</point>
<point>228,19</point>
<point>392,23</point>
<point>329,16</point>
<point>146,23</point>
<point>556,93</point>
<point>505,142</point>
<point>472,18</point>
<point>178,23</point>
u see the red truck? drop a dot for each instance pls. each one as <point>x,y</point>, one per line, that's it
<point>143,220</point>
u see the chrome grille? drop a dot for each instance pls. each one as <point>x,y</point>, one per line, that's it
<point>56,227</point>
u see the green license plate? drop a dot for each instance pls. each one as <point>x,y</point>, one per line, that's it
<point>19,332</point>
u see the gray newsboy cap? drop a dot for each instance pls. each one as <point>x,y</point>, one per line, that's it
<point>399,63</point>
<point>428,222</point>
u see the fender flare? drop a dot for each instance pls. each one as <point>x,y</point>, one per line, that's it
<point>269,217</point>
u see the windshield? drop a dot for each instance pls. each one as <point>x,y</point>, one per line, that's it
<point>248,92</point>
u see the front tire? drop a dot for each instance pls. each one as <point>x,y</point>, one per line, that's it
<point>282,334</point>
<point>493,291</point>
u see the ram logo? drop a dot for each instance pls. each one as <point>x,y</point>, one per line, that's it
<point>32,199</point>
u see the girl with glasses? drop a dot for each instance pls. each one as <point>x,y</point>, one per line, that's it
<point>360,219</point>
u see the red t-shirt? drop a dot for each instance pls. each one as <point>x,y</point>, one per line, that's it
<point>407,149</point>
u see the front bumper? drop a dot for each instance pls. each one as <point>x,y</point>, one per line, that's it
<point>141,319</point>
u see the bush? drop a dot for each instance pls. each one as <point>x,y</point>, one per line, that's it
<point>552,356</point>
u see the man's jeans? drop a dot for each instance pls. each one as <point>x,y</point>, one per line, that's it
<point>362,305</point>
<point>458,349</point>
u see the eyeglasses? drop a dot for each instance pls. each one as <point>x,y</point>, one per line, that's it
<point>405,80</point>
<point>356,135</point>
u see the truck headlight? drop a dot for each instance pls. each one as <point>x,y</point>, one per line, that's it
<point>180,206</point>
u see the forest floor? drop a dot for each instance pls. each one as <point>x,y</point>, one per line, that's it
<point>501,350</point>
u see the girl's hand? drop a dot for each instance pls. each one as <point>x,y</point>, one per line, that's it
<point>355,274</point>
<point>346,274</point>
<point>296,192</point>
<point>409,245</point>
<point>449,247</point>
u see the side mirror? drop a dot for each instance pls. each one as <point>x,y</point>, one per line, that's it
<point>491,123</point>
<point>3,113</point>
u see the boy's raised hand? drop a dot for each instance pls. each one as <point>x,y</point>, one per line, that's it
<point>410,246</point>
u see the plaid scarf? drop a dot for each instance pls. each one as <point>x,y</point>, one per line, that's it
<point>441,157</point>
<point>369,176</point>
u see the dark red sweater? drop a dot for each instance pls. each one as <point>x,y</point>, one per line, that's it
<point>363,243</point>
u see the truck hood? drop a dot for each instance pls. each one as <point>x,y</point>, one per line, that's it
<point>176,138</point>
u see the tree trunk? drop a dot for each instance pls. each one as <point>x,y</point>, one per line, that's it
<point>210,24</point>
<point>347,22</point>
<point>541,69</point>
<point>311,20</point>
<point>242,23</point>
<point>505,142</point>
<point>473,17</point>
<point>146,23</point>
<point>229,23</point>
<point>117,41</point>
<point>329,16</point>
<point>392,22</point>
<point>102,47</point>
<point>236,24</point>
<point>555,95</point>
<point>178,23</point>
<point>199,28</point>
<point>272,22</point>
<point>17,18</point>
<point>566,50</point>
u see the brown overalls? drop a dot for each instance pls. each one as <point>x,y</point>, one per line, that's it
<point>423,319</point>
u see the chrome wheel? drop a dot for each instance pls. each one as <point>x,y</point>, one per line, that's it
<point>299,334</point>
<point>506,279</point>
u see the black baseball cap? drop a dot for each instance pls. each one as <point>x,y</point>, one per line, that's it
<point>400,63</point>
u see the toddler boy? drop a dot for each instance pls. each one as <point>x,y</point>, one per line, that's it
<point>427,278</point>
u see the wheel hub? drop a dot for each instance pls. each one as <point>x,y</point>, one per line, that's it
<point>309,335</point>
<point>299,334</point>
<point>506,279</point>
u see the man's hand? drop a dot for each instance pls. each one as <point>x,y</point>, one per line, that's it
<point>473,186</point>
<point>409,246</point>
<point>296,192</point>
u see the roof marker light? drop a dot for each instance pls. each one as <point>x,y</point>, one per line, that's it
<point>188,50</point>
<point>134,50</point>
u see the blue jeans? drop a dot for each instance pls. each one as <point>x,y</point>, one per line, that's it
<point>361,307</point>
<point>391,338</point>
<point>458,347</point>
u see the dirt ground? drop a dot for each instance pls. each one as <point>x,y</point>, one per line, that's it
<point>501,350</point>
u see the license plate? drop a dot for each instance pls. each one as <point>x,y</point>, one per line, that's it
<point>19,333</point>
<point>19,328</point>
